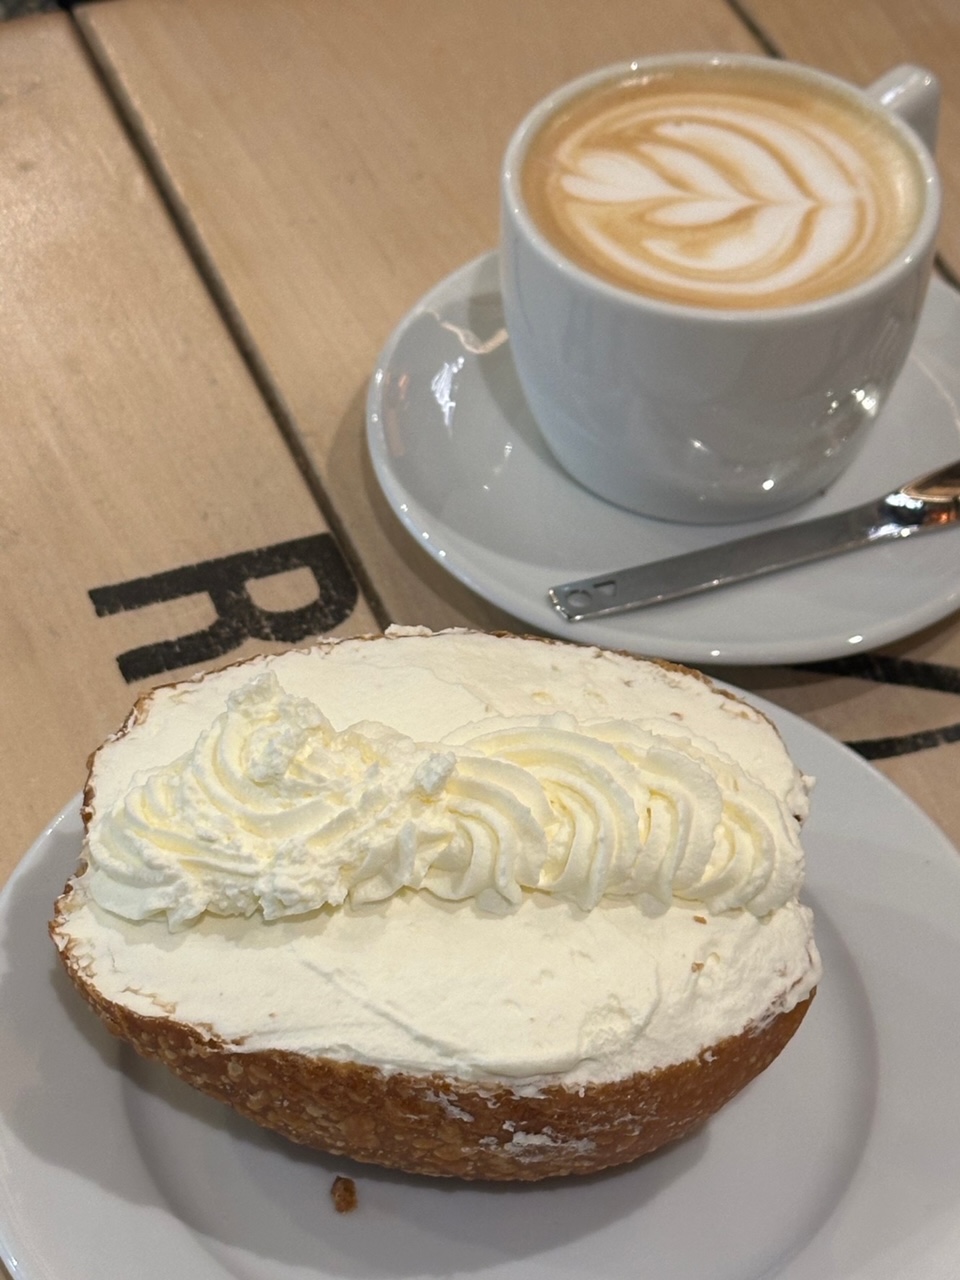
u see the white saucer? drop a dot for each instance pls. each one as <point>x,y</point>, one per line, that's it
<point>841,1162</point>
<point>463,465</point>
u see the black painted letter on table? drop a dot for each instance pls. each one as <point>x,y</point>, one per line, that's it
<point>238,618</point>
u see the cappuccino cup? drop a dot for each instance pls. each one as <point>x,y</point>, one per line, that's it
<point>712,270</point>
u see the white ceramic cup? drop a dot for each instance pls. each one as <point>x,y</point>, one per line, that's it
<point>708,415</point>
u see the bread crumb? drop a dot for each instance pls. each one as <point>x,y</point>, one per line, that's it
<point>700,919</point>
<point>344,1195</point>
<point>697,966</point>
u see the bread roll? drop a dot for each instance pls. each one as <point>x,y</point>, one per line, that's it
<point>458,904</point>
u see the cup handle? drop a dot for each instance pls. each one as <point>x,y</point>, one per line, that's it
<point>913,94</point>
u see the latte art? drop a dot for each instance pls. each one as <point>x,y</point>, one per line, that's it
<point>703,187</point>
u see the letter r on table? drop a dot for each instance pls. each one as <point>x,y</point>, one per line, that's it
<point>225,581</point>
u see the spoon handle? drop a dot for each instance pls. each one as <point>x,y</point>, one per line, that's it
<point>728,562</point>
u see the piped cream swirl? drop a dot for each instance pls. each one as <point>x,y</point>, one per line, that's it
<point>275,811</point>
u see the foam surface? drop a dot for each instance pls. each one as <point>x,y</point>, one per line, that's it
<point>721,189</point>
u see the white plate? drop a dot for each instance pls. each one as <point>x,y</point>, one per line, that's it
<point>841,1162</point>
<point>464,467</point>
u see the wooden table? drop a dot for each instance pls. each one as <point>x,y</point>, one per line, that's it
<point>212,214</point>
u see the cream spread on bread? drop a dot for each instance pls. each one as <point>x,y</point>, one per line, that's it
<point>471,854</point>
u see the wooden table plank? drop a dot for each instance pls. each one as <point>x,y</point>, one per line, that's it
<point>135,441</point>
<point>334,161</point>
<point>862,39</point>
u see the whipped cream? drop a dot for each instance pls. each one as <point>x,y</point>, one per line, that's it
<point>275,810</point>
<point>614,966</point>
<point>545,994</point>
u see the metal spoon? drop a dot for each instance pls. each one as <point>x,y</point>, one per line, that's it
<point>922,505</point>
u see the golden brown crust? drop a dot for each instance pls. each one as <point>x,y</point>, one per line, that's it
<point>441,1126</point>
